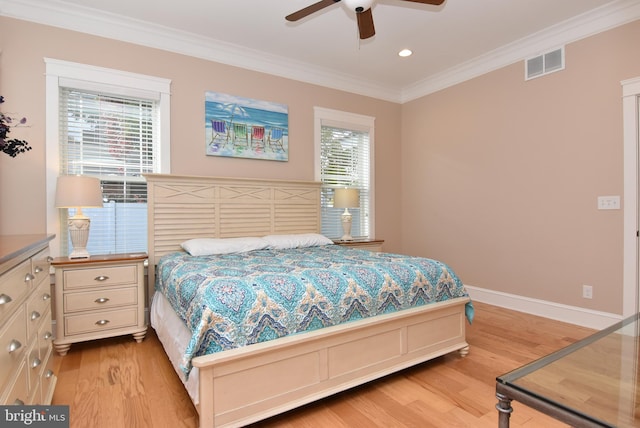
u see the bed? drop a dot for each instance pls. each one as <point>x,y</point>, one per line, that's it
<point>289,371</point>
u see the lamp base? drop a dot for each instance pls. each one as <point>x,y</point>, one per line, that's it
<point>346,225</point>
<point>79,233</point>
<point>80,253</point>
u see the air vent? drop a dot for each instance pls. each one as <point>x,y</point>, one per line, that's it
<point>544,64</point>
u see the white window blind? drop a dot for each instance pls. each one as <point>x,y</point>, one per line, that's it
<point>111,137</point>
<point>344,162</point>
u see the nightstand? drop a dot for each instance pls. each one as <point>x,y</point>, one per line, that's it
<point>98,297</point>
<point>362,244</point>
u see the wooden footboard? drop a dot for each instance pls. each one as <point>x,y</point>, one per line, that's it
<point>246,385</point>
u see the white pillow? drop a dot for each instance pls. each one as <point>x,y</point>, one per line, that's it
<point>209,246</point>
<point>298,240</point>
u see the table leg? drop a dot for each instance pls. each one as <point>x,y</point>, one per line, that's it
<point>504,410</point>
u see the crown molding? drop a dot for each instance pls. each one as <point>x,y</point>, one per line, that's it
<point>57,14</point>
<point>587,24</point>
<point>85,20</point>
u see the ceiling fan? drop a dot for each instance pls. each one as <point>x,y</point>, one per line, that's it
<point>362,8</point>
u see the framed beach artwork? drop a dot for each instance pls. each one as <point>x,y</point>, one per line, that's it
<point>245,128</point>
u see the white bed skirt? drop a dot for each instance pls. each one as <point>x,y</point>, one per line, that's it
<point>174,336</point>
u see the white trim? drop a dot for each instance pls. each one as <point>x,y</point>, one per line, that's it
<point>350,121</point>
<point>87,20</point>
<point>88,76</point>
<point>570,314</point>
<point>631,165</point>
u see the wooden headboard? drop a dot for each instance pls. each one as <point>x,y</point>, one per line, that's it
<point>186,207</point>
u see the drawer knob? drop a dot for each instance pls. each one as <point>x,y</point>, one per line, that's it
<point>102,322</point>
<point>14,345</point>
<point>46,296</point>
<point>18,402</point>
<point>101,300</point>
<point>35,315</point>
<point>48,374</point>
<point>4,299</point>
<point>49,259</point>
<point>101,278</point>
<point>47,335</point>
<point>29,277</point>
<point>38,269</point>
<point>35,363</point>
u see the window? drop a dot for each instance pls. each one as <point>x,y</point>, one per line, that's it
<point>344,158</point>
<point>108,125</point>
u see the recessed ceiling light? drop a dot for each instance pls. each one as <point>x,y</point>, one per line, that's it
<point>405,52</point>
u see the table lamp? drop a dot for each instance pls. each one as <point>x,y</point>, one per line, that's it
<point>78,191</point>
<point>346,198</point>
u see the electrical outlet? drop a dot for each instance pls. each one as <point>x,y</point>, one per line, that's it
<point>587,291</point>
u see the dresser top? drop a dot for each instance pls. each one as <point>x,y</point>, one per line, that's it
<point>14,245</point>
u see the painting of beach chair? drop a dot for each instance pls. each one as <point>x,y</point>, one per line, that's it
<point>239,134</point>
<point>275,138</point>
<point>257,136</point>
<point>219,129</point>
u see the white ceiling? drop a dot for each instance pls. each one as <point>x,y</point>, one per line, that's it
<point>451,42</point>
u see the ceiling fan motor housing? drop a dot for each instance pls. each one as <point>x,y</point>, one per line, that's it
<point>358,6</point>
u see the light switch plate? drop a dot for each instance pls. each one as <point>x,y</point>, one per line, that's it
<point>608,202</point>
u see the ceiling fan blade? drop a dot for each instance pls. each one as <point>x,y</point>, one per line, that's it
<point>365,24</point>
<point>310,9</point>
<point>433,2</point>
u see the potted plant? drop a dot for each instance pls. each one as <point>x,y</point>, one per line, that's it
<point>11,146</point>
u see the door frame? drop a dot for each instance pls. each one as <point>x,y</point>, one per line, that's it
<point>631,165</point>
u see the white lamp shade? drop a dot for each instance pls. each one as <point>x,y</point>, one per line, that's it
<point>76,191</point>
<point>346,198</point>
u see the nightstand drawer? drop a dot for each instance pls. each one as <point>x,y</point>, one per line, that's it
<point>14,286</point>
<point>102,276</point>
<point>13,344</point>
<point>100,299</point>
<point>100,321</point>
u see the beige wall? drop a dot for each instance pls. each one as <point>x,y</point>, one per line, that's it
<point>500,177</point>
<point>22,82</point>
<point>497,177</point>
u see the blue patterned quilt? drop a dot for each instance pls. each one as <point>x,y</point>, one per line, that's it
<point>232,300</point>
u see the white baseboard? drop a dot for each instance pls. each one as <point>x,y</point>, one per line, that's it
<point>570,314</point>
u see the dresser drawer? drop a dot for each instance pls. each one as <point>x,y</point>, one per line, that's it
<point>45,337</point>
<point>18,393</point>
<point>47,379</point>
<point>37,305</point>
<point>103,276</point>
<point>13,344</point>
<point>14,287</point>
<point>40,266</point>
<point>100,321</point>
<point>34,367</point>
<point>100,299</point>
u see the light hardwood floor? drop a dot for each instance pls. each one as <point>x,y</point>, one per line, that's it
<point>116,382</point>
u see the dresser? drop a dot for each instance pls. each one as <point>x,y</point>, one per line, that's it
<point>362,244</point>
<point>26,366</point>
<point>98,297</point>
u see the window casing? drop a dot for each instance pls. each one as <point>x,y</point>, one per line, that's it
<point>111,125</point>
<point>344,158</point>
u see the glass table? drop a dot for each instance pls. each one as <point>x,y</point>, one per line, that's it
<point>591,383</point>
